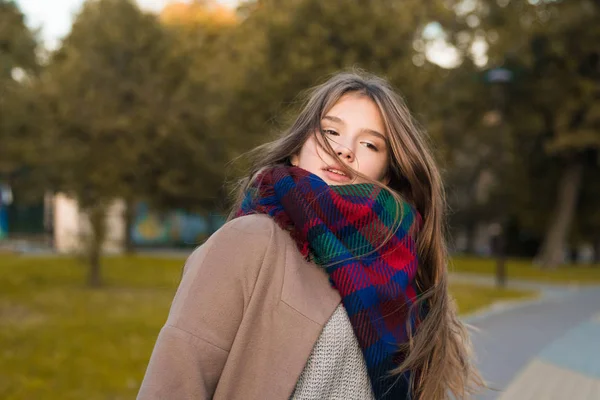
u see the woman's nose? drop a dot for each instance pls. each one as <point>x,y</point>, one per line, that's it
<point>345,153</point>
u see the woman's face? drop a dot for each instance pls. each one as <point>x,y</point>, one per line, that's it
<point>355,129</point>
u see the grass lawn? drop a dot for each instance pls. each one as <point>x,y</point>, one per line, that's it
<point>471,298</point>
<point>60,340</point>
<point>524,269</point>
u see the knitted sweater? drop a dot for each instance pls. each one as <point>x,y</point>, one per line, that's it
<point>336,368</point>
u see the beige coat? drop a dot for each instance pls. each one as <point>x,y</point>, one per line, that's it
<point>245,318</point>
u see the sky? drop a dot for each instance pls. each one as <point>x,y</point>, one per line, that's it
<point>54,17</point>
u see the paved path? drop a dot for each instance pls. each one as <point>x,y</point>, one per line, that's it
<point>546,349</point>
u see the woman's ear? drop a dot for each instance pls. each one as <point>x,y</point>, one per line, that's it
<point>294,160</point>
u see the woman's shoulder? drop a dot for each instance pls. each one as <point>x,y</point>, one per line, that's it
<point>256,226</point>
<point>241,242</point>
<point>247,235</point>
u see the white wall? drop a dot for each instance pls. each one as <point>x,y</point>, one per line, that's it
<point>71,226</point>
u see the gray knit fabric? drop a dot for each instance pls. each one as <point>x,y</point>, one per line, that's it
<point>336,368</point>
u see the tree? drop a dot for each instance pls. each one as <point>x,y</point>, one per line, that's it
<point>475,150</point>
<point>587,223</point>
<point>105,100</point>
<point>553,47</point>
<point>17,44</point>
<point>191,159</point>
<point>18,111</point>
<point>287,47</point>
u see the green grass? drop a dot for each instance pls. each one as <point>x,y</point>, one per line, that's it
<point>524,269</point>
<point>61,340</point>
<point>470,298</point>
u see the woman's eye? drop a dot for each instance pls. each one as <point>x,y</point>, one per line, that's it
<point>330,132</point>
<point>370,146</point>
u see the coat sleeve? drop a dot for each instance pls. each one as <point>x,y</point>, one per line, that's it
<point>217,283</point>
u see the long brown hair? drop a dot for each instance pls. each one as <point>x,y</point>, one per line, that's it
<point>440,349</point>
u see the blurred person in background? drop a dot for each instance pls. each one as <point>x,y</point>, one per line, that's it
<point>330,279</point>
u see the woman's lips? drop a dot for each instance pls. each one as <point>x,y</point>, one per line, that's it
<point>336,177</point>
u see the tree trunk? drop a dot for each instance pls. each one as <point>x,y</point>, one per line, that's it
<point>471,232</point>
<point>552,250</point>
<point>597,251</point>
<point>97,215</point>
<point>128,216</point>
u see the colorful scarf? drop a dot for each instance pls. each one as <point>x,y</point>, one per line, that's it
<point>342,228</point>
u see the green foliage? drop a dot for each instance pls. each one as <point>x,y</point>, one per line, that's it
<point>104,92</point>
<point>140,107</point>
<point>18,112</point>
<point>474,146</point>
<point>60,340</point>
<point>190,157</point>
<point>288,47</point>
<point>558,59</point>
<point>550,108</point>
<point>17,43</point>
<point>132,105</point>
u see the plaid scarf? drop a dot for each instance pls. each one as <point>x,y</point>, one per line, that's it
<point>342,228</point>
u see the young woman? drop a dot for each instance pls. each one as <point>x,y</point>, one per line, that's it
<point>330,279</point>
